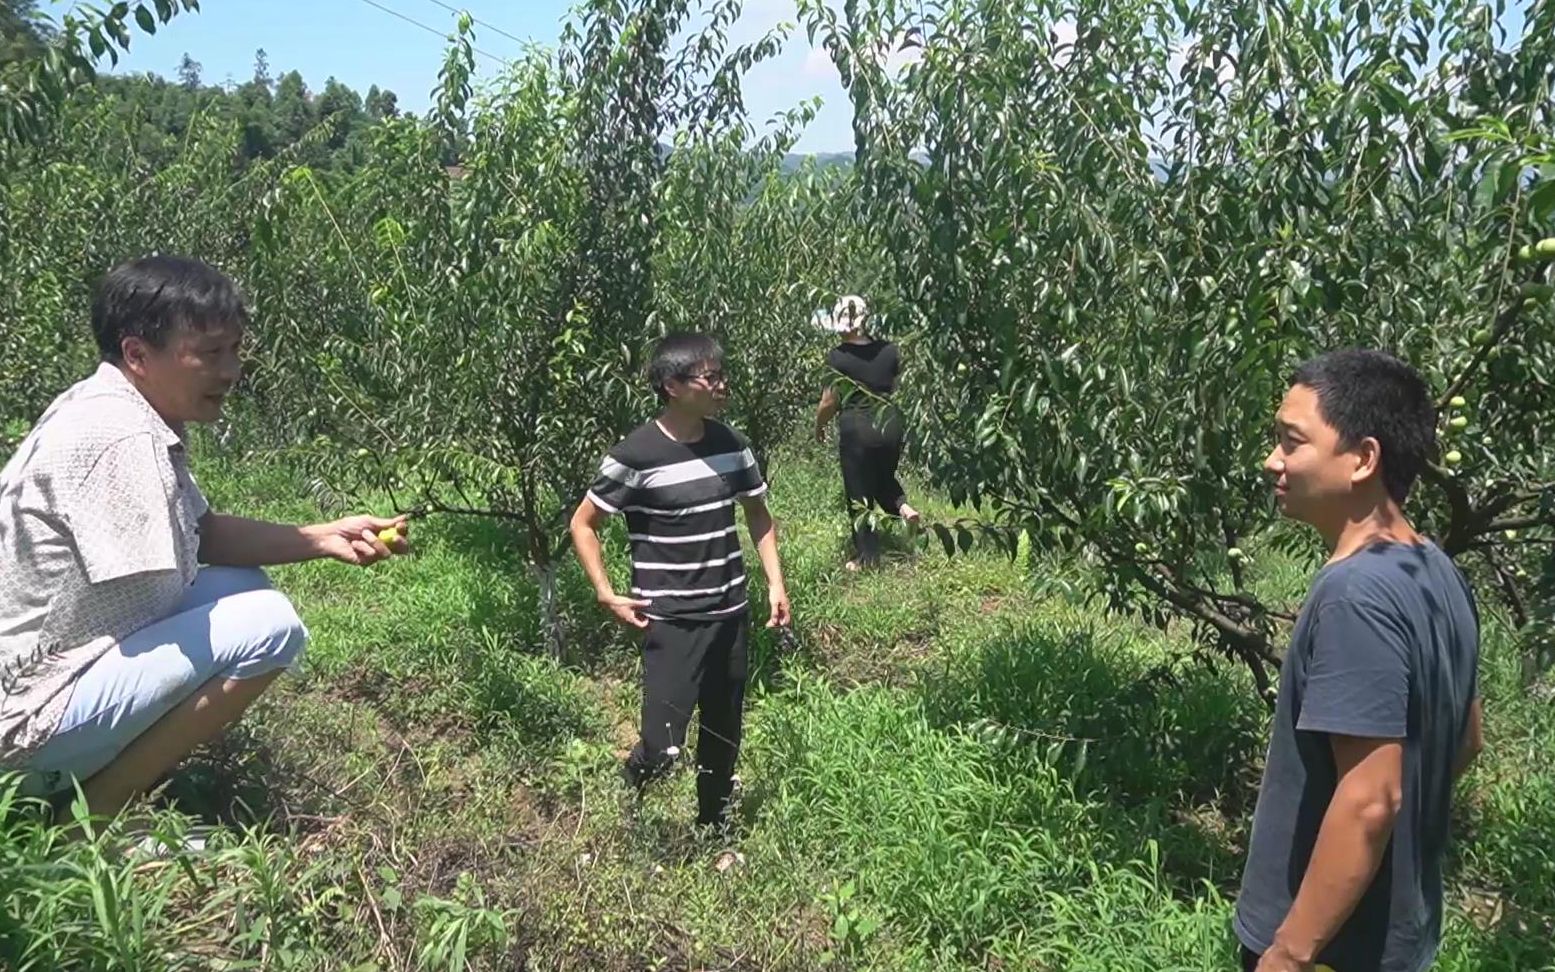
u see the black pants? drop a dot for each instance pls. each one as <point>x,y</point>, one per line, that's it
<point>869,444</point>
<point>688,664</point>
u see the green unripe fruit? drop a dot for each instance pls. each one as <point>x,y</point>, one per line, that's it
<point>1525,253</point>
<point>1545,247</point>
<point>1458,401</point>
<point>1141,548</point>
<point>1483,335</point>
<point>1458,422</point>
<point>1454,457</point>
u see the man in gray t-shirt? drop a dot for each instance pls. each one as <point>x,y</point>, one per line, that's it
<point>1378,707</point>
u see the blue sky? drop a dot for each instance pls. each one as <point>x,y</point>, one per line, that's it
<point>361,45</point>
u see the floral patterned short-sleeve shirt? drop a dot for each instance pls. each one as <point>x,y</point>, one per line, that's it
<point>99,537</point>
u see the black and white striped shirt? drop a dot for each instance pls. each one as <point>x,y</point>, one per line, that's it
<point>678,498</point>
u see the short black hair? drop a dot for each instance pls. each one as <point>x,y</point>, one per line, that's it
<point>152,297</point>
<point>677,354</point>
<point>1371,394</point>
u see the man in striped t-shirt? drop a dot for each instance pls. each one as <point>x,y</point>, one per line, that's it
<point>677,479</point>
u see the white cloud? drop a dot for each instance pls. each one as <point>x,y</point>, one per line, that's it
<point>900,58</point>
<point>818,65</point>
<point>1064,33</point>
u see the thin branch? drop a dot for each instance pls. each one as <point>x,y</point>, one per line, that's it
<point>1509,591</point>
<point>1520,523</point>
<point>1247,601</point>
<point>1489,544</point>
<point>439,507</point>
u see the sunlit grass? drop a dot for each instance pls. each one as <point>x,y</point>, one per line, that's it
<point>963,762</point>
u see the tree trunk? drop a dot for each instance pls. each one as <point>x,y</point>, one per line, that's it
<point>550,611</point>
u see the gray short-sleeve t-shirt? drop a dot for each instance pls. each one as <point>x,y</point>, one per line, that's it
<point>1386,647</point>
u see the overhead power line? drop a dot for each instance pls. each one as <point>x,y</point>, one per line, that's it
<point>431,30</point>
<point>483,23</point>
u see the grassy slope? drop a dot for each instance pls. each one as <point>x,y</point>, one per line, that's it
<point>955,771</point>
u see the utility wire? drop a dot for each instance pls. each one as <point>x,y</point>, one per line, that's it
<point>483,23</point>
<point>431,30</point>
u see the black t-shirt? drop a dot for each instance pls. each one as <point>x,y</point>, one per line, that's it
<point>1385,648</point>
<point>678,498</point>
<point>873,367</point>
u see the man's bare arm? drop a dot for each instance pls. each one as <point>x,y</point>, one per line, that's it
<point>825,411</point>
<point>1473,740</point>
<point>587,520</point>
<point>1350,845</point>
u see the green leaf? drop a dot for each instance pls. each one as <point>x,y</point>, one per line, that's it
<point>946,539</point>
<point>1541,201</point>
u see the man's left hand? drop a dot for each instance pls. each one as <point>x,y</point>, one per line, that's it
<point>781,616</point>
<point>355,539</point>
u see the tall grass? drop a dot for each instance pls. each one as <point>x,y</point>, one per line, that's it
<point>963,765</point>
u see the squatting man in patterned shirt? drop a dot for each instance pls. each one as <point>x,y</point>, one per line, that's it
<point>135,622</point>
<point>677,478</point>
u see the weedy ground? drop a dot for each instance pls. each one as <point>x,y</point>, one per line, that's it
<point>961,765</point>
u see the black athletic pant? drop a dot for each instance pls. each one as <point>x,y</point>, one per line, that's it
<point>870,448</point>
<point>688,664</point>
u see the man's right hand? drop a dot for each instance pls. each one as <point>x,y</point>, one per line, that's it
<point>626,609</point>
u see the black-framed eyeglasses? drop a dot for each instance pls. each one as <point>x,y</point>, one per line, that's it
<point>711,377</point>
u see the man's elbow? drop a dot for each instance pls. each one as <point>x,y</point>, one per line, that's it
<point>582,520</point>
<point>1472,747</point>
<point>1467,754</point>
<point>757,517</point>
<point>1376,809</point>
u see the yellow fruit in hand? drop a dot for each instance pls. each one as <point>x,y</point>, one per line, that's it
<point>389,534</point>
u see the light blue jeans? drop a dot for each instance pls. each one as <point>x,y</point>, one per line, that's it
<point>230,624</point>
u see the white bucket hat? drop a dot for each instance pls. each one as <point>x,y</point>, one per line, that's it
<point>849,313</point>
